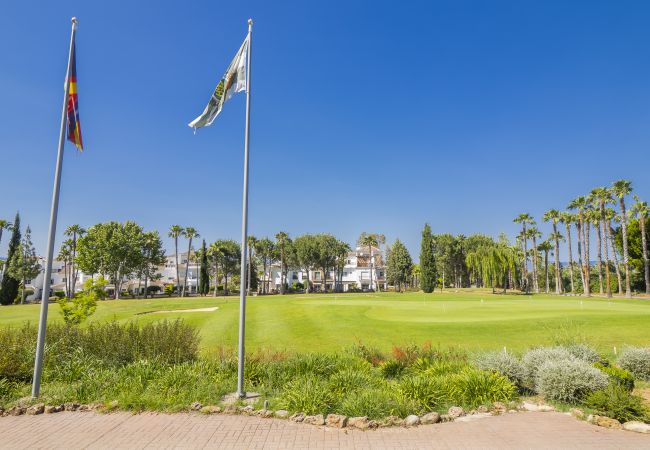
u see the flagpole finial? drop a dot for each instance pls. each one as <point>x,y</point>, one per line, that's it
<point>250,23</point>
<point>74,21</point>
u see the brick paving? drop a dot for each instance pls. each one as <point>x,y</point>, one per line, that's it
<point>530,430</point>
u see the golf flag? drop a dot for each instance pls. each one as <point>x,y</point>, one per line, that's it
<point>233,81</point>
<point>74,127</point>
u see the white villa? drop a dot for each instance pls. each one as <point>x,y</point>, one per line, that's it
<point>360,263</point>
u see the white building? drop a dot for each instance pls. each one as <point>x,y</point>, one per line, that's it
<point>356,273</point>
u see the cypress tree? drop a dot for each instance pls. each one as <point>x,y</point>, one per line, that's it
<point>204,286</point>
<point>9,285</point>
<point>428,276</point>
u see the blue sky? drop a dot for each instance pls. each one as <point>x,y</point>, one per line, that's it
<point>375,116</point>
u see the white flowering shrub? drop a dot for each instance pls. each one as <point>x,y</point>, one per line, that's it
<point>533,360</point>
<point>568,380</point>
<point>637,361</point>
<point>503,363</point>
<point>583,352</point>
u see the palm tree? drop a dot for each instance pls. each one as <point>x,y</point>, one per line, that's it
<point>371,240</point>
<point>603,196</point>
<point>594,218</point>
<point>545,246</point>
<point>190,233</point>
<point>64,255</point>
<point>216,252</point>
<point>620,189</point>
<point>534,234</point>
<point>580,203</point>
<point>282,241</point>
<point>640,210</point>
<point>524,219</point>
<point>609,215</point>
<point>76,231</point>
<point>175,231</point>
<point>251,242</point>
<point>568,218</point>
<point>553,215</point>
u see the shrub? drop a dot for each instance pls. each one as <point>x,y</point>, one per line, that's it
<point>371,354</point>
<point>169,290</point>
<point>534,359</point>
<point>392,368</point>
<point>583,352</point>
<point>427,392</point>
<point>568,380</point>
<point>350,380</point>
<point>377,403</point>
<point>474,387</point>
<point>504,363</point>
<point>307,394</point>
<point>637,361</point>
<point>617,375</point>
<point>59,294</point>
<point>618,403</point>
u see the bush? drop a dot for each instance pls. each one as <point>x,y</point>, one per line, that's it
<point>618,403</point>
<point>637,361</point>
<point>568,380</point>
<point>392,368</point>
<point>617,375</point>
<point>427,392</point>
<point>503,363</point>
<point>59,294</point>
<point>377,403</point>
<point>534,359</point>
<point>350,380</point>
<point>307,394</point>
<point>583,352</point>
<point>474,387</point>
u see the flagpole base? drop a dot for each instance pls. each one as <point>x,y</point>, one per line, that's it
<point>246,397</point>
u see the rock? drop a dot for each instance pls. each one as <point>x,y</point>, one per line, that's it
<point>281,414</point>
<point>390,421</point>
<point>317,419</point>
<point>456,411</point>
<point>230,409</point>
<point>373,424</point>
<point>99,406</point>
<point>297,417</point>
<point>264,413</point>
<point>50,409</point>
<point>577,413</point>
<point>499,408</point>
<point>527,406</point>
<point>432,417</point>
<point>483,409</point>
<point>472,417</point>
<point>196,406</point>
<point>360,423</point>
<point>411,421</point>
<point>605,422</point>
<point>336,420</point>
<point>545,408</point>
<point>247,410</point>
<point>638,427</point>
<point>210,409</point>
<point>83,408</point>
<point>33,410</point>
<point>71,406</point>
<point>446,418</point>
<point>16,411</point>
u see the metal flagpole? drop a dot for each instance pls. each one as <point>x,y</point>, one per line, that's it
<point>244,226</point>
<point>45,295</point>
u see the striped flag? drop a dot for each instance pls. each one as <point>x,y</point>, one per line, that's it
<point>233,81</point>
<point>74,127</point>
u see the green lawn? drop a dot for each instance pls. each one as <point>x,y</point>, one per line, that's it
<point>470,319</point>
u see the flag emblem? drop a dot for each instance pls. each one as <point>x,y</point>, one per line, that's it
<point>74,126</point>
<point>233,81</point>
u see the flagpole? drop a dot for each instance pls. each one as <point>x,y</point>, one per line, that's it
<point>45,295</point>
<point>244,226</point>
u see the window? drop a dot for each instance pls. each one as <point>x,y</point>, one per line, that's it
<point>295,276</point>
<point>316,276</point>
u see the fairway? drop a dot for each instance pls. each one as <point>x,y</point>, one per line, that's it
<point>469,319</point>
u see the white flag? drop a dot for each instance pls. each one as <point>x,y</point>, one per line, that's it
<point>233,81</point>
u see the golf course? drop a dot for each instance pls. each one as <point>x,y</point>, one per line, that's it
<point>468,318</point>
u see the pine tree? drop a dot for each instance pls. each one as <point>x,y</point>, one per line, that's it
<point>204,286</point>
<point>24,264</point>
<point>399,265</point>
<point>9,285</point>
<point>428,276</point>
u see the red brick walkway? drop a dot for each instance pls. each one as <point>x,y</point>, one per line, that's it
<point>122,430</point>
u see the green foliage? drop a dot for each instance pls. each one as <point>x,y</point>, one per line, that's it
<point>583,352</point>
<point>377,403</point>
<point>617,375</point>
<point>428,275</point>
<point>204,285</point>
<point>535,358</point>
<point>568,380</point>
<point>392,368</point>
<point>637,361</point>
<point>428,393</point>
<point>24,264</point>
<point>399,265</point>
<point>503,363</point>
<point>473,387</point>
<point>618,403</point>
<point>9,284</point>
<point>308,394</point>
<point>169,290</point>
<point>83,305</point>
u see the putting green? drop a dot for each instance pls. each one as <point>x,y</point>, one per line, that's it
<point>471,319</point>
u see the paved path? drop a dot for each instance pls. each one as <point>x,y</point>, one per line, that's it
<point>123,430</point>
